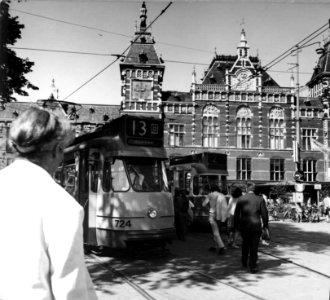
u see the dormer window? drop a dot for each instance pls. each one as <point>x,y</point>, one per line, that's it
<point>143,57</point>
<point>212,79</point>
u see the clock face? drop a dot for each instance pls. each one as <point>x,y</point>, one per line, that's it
<point>141,90</point>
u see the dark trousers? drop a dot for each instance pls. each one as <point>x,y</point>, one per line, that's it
<point>250,247</point>
<point>181,225</point>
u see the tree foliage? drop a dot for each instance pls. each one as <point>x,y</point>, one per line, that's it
<point>280,191</point>
<point>12,67</point>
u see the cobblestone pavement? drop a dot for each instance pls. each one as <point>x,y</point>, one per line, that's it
<point>295,265</point>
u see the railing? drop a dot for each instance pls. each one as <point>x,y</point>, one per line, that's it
<point>277,90</point>
<point>210,87</point>
<point>222,88</point>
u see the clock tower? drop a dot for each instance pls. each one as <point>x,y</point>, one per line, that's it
<point>142,72</point>
<point>243,72</point>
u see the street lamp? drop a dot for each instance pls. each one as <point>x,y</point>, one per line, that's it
<point>299,175</point>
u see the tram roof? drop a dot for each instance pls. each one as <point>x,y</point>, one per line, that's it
<point>115,146</point>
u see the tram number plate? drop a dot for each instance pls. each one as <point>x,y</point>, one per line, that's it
<point>122,223</point>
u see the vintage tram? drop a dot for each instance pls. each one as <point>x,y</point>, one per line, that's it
<point>196,173</point>
<point>117,173</point>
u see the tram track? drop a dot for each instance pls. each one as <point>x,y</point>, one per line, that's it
<point>142,292</point>
<point>213,278</point>
<point>287,260</point>
<point>281,258</point>
<point>189,270</point>
<point>183,266</point>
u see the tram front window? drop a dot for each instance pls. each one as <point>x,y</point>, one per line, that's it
<point>119,179</point>
<point>202,183</point>
<point>145,175</point>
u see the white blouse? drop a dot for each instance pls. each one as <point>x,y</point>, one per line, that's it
<point>41,253</point>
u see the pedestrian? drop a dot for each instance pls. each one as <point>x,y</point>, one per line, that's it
<point>181,207</point>
<point>217,214</point>
<point>265,237</point>
<point>42,255</point>
<point>326,203</point>
<point>249,218</point>
<point>232,232</point>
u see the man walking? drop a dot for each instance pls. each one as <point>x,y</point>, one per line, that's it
<point>249,213</point>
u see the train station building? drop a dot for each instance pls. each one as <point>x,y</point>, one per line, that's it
<point>236,109</point>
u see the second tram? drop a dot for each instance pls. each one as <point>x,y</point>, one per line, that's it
<point>117,173</point>
<point>195,174</point>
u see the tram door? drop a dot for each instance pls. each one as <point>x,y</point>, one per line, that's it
<point>83,187</point>
<point>94,169</point>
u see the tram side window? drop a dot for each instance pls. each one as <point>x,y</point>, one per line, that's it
<point>94,171</point>
<point>58,176</point>
<point>187,179</point>
<point>69,174</point>
<point>119,176</point>
<point>196,186</point>
<point>106,176</point>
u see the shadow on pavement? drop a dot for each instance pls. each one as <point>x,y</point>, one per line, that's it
<point>190,263</point>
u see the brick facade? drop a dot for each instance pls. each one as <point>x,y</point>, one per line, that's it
<point>237,99</point>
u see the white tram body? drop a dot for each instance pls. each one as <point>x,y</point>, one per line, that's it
<point>117,173</point>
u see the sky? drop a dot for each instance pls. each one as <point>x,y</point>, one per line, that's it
<point>187,35</point>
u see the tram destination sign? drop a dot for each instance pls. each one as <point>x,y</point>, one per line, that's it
<point>144,132</point>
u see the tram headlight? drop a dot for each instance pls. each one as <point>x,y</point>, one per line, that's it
<point>152,213</point>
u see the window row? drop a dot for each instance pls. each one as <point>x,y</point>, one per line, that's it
<point>316,91</point>
<point>276,169</point>
<point>178,108</point>
<point>311,113</point>
<point>243,127</point>
<point>211,137</point>
<point>142,73</point>
<point>242,97</point>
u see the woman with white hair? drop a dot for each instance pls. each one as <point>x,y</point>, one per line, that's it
<point>41,253</point>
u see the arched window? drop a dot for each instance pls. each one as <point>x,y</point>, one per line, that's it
<point>276,128</point>
<point>210,126</point>
<point>243,126</point>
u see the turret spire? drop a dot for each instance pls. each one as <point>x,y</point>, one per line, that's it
<point>194,75</point>
<point>143,17</point>
<point>243,47</point>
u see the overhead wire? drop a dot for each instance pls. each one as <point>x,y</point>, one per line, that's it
<point>70,23</point>
<point>266,67</point>
<point>107,54</point>
<point>292,50</point>
<point>60,51</point>
<point>118,57</point>
<point>303,42</point>
<point>105,31</point>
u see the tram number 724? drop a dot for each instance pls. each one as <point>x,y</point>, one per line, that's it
<point>122,223</point>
